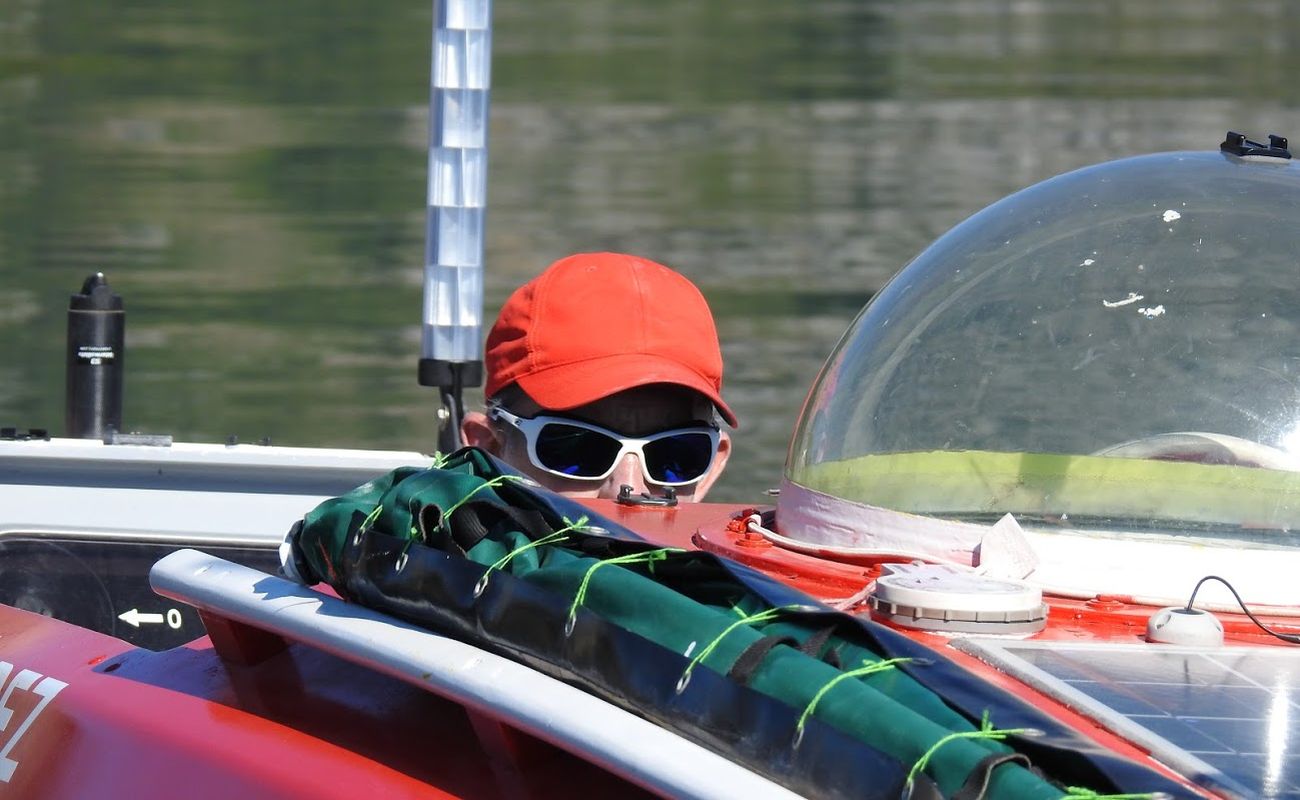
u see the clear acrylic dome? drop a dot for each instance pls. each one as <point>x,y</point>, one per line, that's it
<point>1114,350</point>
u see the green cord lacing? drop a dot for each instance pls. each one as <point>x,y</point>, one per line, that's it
<point>371,517</point>
<point>986,731</point>
<point>366,523</point>
<point>412,501</point>
<point>632,558</point>
<point>439,460</point>
<point>554,537</point>
<point>414,514</point>
<point>1080,793</point>
<point>550,538</point>
<point>868,669</point>
<point>497,481</point>
<point>761,616</point>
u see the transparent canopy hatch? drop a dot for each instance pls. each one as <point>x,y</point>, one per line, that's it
<point>1116,350</point>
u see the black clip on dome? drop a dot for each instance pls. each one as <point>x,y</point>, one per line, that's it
<point>1238,145</point>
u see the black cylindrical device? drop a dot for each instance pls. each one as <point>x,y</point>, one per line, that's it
<point>96,334</point>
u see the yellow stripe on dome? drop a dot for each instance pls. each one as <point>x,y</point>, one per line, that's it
<point>984,482</point>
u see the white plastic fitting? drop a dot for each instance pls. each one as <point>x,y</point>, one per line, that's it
<point>1190,627</point>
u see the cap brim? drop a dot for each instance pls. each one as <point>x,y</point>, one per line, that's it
<point>571,385</point>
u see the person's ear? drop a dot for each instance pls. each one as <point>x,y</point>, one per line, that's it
<point>476,430</point>
<point>715,469</point>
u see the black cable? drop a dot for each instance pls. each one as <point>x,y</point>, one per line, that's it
<point>1286,637</point>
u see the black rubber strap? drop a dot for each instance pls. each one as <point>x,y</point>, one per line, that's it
<point>530,521</point>
<point>812,646</point>
<point>832,657</point>
<point>596,547</point>
<point>473,521</point>
<point>751,657</point>
<point>977,782</point>
<point>467,527</point>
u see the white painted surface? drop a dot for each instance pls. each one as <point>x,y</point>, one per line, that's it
<point>192,493</point>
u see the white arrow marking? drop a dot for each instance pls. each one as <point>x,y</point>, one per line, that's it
<point>135,618</point>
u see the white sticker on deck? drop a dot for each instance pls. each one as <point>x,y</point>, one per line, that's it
<point>26,681</point>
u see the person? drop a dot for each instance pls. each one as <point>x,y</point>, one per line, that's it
<point>604,371</point>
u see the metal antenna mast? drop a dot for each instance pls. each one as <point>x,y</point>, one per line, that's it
<point>460,81</point>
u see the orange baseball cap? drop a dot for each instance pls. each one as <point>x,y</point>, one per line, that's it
<point>593,324</point>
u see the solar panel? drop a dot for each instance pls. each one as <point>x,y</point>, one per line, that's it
<point>1228,718</point>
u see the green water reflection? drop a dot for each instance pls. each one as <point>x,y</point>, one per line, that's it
<point>250,175</point>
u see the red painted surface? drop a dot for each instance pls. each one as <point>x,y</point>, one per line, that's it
<point>183,723</point>
<point>671,526</point>
<point>1102,618</point>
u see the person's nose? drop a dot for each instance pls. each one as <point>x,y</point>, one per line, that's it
<point>626,472</point>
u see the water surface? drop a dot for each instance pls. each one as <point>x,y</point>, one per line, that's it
<point>250,175</point>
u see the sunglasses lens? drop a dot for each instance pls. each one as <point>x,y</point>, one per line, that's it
<point>575,451</point>
<point>679,459</point>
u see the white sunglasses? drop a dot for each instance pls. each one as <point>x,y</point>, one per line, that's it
<point>577,450</point>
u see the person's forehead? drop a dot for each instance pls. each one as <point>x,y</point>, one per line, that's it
<point>644,409</point>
